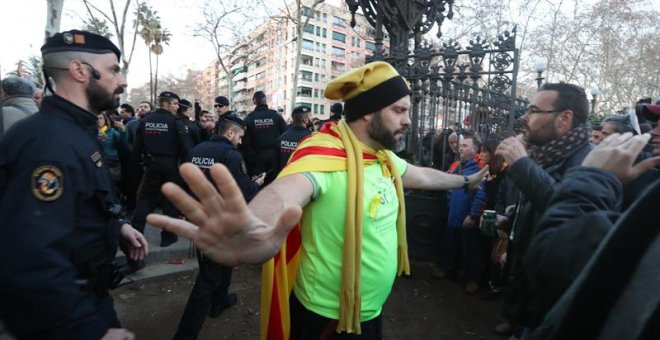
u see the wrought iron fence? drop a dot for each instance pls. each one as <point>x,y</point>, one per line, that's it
<point>461,87</point>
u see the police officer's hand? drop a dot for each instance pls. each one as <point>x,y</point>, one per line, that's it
<point>224,227</point>
<point>118,334</point>
<point>138,248</point>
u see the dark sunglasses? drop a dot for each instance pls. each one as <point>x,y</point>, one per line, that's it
<point>219,105</point>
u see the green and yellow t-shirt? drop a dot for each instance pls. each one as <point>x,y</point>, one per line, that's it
<point>322,229</point>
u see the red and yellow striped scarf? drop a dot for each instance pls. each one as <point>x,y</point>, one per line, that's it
<point>334,148</point>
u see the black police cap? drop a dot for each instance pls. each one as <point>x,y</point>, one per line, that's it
<point>336,108</point>
<point>222,100</point>
<point>168,94</point>
<point>79,41</point>
<point>234,119</point>
<point>184,103</point>
<point>300,110</point>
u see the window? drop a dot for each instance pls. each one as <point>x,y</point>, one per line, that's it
<point>339,36</point>
<point>338,67</point>
<point>338,51</point>
<point>316,76</point>
<point>337,21</point>
<point>305,11</point>
<point>322,109</point>
<point>304,91</point>
<point>318,31</point>
<point>316,107</point>
<point>355,42</point>
<point>308,45</point>
<point>310,28</point>
<point>302,104</point>
<point>370,46</point>
<point>325,32</point>
<point>316,93</point>
<point>306,75</point>
<point>260,75</point>
<point>307,60</point>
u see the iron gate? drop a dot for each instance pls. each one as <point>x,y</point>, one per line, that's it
<point>472,87</point>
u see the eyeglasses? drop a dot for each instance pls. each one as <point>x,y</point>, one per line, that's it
<point>533,111</point>
<point>219,105</point>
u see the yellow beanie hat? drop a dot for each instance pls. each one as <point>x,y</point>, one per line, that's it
<point>367,89</point>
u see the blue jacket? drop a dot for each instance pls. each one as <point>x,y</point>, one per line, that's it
<point>463,202</point>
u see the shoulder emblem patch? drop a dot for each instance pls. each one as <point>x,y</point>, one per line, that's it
<point>47,183</point>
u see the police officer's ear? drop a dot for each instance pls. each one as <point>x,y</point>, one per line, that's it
<point>78,71</point>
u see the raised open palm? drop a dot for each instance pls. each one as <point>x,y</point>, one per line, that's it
<point>220,222</point>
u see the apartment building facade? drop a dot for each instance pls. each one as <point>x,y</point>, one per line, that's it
<point>266,61</point>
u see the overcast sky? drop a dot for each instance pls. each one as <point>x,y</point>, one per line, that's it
<point>22,25</point>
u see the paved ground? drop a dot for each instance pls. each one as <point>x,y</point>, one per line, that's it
<point>150,303</point>
<point>419,307</point>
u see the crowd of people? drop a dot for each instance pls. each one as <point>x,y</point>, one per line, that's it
<point>319,203</point>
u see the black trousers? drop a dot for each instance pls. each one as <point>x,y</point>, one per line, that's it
<point>149,195</point>
<point>306,325</point>
<point>210,289</point>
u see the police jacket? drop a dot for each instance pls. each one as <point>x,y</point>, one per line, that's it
<point>221,150</point>
<point>58,232</point>
<point>262,128</point>
<point>161,134</point>
<point>288,142</point>
<point>194,136</point>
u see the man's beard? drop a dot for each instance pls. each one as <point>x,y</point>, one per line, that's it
<point>100,99</point>
<point>377,131</point>
<point>542,136</point>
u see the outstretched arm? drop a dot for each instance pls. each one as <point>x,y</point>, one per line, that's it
<point>431,179</point>
<point>223,226</point>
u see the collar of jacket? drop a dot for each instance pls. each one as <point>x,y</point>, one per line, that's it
<point>57,105</point>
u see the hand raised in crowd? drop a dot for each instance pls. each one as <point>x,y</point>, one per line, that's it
<point>617,153</point>
<point>118,334</point>
<point>223,226</point>
<point>138,248</point>
<point>119,125</point>
<point>512,149</point>
<point>476,179</point>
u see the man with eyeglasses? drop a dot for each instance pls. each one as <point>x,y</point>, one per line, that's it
<point>555,138</point>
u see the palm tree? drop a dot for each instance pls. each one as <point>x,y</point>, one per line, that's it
<point>160,36</point>
<point>149,20</point>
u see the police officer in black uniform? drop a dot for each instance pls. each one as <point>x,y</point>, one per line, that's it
<point>263,127</point>
<point>210,295</point>
<point>162,143</point>
<point>185,112</point>
<point>59,216</point>
<point>289,140</point>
